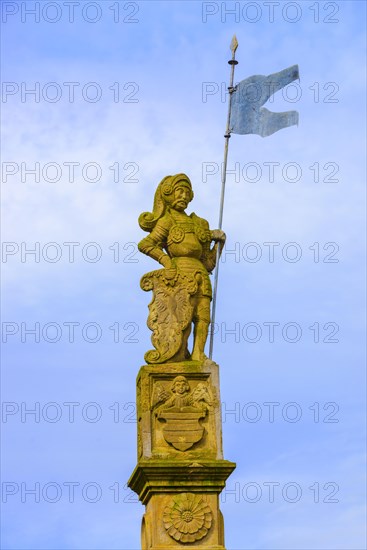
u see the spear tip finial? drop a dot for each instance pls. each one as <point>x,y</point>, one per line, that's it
<point>234,44</point>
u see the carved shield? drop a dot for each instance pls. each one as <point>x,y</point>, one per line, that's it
<point>182,428</point>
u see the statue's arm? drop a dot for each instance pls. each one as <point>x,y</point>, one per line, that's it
<point>153,245</point>
<point>166,405</point>
<point>209,257</point>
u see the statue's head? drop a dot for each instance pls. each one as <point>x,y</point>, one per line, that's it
<point>174,187</point>
<point>180,385</point>
<point>173,192</point>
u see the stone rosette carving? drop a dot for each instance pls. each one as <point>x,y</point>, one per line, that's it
<point>187,518</point>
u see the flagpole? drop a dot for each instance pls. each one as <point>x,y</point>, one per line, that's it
<point>227,135</point>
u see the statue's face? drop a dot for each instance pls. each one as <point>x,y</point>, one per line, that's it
<point>181,387</point>
<point>181,197</point>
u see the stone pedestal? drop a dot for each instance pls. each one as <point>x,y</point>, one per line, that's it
<point>181,470</point>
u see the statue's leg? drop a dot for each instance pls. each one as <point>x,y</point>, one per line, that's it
<point>201,327</point>
<point>185,337</point>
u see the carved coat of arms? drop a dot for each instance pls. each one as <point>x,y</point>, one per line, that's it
<point>181,412</point>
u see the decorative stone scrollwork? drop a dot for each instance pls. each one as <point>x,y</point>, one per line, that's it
<point>188,518</point>
<point>169,323</point>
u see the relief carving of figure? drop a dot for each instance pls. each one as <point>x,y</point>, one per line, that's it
<point>181,411</point>
<point>182,291</point>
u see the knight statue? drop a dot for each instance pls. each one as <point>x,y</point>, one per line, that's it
<point>182,291</point>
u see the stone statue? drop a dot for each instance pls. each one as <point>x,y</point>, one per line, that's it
<point>181,290</point>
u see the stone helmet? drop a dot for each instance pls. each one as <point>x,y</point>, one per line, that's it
<point>163,198</point>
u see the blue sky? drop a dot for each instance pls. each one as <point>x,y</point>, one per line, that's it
<point>167,61</point>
